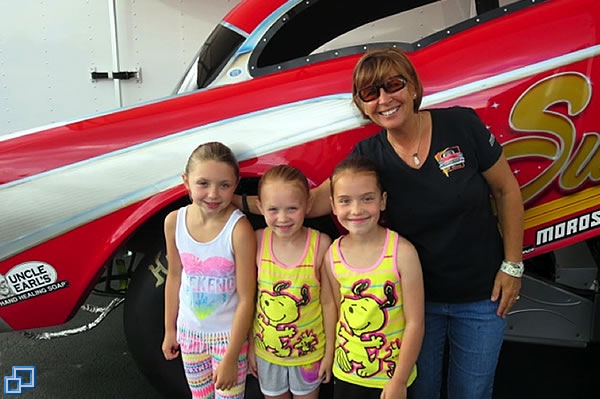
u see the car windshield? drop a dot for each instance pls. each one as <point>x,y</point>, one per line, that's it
<point>214,54</point>
<point>412,24</point>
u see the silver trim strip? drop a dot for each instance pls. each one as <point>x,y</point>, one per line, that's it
<point>234,28</point>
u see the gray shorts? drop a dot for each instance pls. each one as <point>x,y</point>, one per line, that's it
<point>275,380</point>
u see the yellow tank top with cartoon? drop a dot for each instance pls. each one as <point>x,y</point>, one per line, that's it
<point>371,320</point>
<point>288,323</point>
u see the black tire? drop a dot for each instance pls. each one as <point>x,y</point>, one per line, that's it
<point>143,319</point>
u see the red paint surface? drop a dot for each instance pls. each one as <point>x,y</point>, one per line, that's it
<point>539,33</point>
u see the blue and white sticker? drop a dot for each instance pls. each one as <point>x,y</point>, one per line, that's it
<point>235,72</point>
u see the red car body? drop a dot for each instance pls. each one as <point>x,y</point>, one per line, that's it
<point>529,74</point>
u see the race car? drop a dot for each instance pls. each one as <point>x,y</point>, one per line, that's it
<point>83,201</point>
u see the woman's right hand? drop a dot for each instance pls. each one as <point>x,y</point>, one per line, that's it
<point>170,347</point>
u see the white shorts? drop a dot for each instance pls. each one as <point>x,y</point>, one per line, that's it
<point>275,380</point>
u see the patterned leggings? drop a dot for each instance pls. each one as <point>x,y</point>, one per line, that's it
<point>201,357</point>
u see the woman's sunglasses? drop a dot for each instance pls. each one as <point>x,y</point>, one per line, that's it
<point>392,85</point>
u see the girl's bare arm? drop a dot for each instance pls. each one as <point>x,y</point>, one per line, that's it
<point>409,268</point>
<point>321,205</point>
<point>170,347</point>
<point>244,248</point>
<point>329,309</point>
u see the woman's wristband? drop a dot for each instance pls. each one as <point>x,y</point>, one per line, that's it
<point>514,269</point>
<point>245,203</point>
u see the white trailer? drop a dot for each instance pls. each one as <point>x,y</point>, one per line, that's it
<point>64,59</point>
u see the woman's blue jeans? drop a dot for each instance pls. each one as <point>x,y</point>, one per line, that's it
<point>474,333</point>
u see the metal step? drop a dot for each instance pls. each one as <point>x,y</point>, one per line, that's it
<point>548,314</point>
<point>576,267</point>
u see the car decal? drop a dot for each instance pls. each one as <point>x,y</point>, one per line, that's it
<point>28,280</point>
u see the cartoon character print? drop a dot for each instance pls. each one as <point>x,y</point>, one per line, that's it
<point>361,317</point>
<point>393,350</point>
<point>277,312</point>
<point>306,343</point>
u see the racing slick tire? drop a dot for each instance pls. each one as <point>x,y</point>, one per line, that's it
<point>143,319</point>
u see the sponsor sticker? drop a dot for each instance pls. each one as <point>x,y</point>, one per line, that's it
<point>235,72</point>
<point>567,228</point>
<point>28,280</point>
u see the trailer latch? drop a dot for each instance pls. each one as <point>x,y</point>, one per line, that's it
<point>121,75</point>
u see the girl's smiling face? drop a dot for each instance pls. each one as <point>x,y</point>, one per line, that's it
<point>357,201</point>
<point>211,185</point>
<point>284,205</point>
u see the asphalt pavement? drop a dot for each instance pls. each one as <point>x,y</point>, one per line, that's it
<point>93,364</point>
<point>97,364</point>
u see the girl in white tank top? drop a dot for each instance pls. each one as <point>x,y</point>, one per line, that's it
<point>211,280</point>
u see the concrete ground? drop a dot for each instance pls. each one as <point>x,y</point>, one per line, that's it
<point>97,364</point>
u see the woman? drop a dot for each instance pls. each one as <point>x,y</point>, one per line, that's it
<point>438,167</point>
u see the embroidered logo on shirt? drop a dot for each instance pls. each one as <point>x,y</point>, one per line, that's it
<point>492,140</point>
<point>450,159</point>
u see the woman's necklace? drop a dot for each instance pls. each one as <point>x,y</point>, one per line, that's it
<point>415,155</point>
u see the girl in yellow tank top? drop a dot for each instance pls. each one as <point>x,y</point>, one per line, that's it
<point>378,287</point>
<point>291,347</point>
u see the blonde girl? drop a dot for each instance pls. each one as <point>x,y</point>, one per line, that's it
<point>292,344</point>
<point>378,287</point>
<point>210,289</point>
